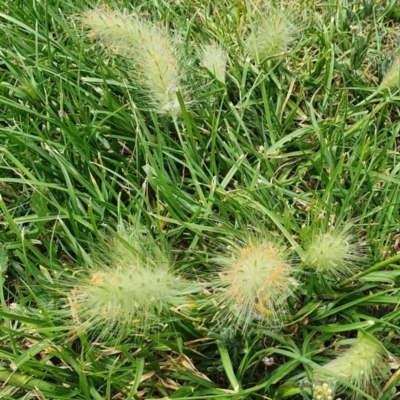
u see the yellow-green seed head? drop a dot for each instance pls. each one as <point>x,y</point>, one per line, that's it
<point>270,36</point>
<point>131,290</point>
<point>152,51</point>
<point>254,284</point>
<point>362,365</point>
<point>332,253</point>
<point>391,79</point>
<point>214,58</point>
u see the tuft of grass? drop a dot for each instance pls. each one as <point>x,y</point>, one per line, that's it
<point>85,147</point>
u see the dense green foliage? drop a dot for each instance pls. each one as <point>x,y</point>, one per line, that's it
<point>298,141</point>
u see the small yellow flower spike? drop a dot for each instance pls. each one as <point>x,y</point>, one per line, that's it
<point>323,391</point>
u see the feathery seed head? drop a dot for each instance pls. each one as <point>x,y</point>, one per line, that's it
<point>334,252</point>
<point>391,79</point>
<point>362,365</point>
<point>133,291</point>
<point>151,50</point>
<point>254,284</point>
<point>214,59</point>
<point>271,35</point>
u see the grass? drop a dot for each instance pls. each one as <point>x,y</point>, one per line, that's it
<point>287,145</point>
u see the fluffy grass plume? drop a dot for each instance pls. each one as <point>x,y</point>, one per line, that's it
<point>271,34</point>
<point>130,290</point>
<point>254,284</point>
<point>362,365</point>
<point>332,252</point>
<point>214,59</point>
<point>391,80</point>
<point>150,49</point>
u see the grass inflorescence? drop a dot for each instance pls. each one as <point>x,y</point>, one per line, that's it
<point>362,365</point>
<point>255,283</point>
<point>214,59</point>
<point>271,34</point>
<point>151,51</point>
<point>131,288</point>
<point>333,252</point>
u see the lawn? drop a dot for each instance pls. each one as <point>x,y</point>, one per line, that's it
<point>200,199</point>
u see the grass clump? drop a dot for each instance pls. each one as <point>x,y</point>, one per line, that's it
<point>135,135</point>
